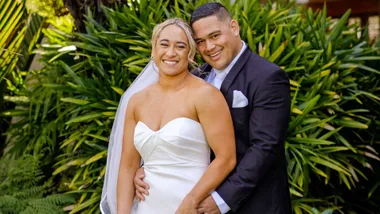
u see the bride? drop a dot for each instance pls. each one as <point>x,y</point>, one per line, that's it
<point>172,120</point>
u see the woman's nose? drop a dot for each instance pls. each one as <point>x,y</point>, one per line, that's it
<point>171,51</point>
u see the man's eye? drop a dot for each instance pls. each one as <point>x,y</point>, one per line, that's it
<point>199,42</point>
<point>215,36</point>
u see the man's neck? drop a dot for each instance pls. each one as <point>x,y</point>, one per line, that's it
<point>239,46</point>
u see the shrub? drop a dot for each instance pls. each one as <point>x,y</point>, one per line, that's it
<point>334,86</point>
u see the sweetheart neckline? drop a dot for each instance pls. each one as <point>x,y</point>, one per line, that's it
<point>169,123</point>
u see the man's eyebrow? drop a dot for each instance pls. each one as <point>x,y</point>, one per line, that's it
<point>210,34</point>
<point>215,32</point>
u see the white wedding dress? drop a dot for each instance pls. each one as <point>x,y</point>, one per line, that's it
<point>175,157</point>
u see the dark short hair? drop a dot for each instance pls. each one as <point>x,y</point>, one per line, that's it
<point>210,9</point>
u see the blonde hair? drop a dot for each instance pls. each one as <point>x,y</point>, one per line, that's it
<point>188,32</point>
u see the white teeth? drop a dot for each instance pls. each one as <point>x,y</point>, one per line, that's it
<point>170,62</point>
<point>215,54</point>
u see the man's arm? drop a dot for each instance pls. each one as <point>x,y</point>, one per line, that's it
<point>267,127</point>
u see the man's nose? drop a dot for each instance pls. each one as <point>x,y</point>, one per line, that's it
<point>209,45</point>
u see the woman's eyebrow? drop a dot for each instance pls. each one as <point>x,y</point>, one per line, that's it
<point>179,42</point>
<point>182,43</point>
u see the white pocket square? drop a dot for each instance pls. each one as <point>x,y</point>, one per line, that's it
<point>240,100</point>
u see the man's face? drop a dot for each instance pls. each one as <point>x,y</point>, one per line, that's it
<point>217,40</point>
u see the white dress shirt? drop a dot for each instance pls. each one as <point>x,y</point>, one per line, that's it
<point>216,78</point>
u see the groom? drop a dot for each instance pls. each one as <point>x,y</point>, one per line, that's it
<point>258,95</point>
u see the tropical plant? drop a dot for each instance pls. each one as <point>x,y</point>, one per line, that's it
<point>20,83</point>
<point>12,31</point>
<point>334,84</point>
<point>21,190</point>
<point>19,32</point>
<point>77,9</point>
<point>100,78</point>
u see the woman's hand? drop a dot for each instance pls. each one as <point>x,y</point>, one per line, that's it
<point>187,206</point>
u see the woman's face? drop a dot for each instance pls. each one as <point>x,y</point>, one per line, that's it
<point>171,51</point>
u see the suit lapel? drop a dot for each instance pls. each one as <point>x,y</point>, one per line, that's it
<point>235,70</point>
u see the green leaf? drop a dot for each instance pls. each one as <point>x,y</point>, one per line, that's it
<point>99,137</point>
<point>296,193</point>
<point>364,67</point>
<point>373,189</point>
<point>310,141</point>
<point>76,162</point>
<point>14,113</point>
<point>351,124</point>
<point>75,101</point>
<point>329,164</point>
<point>316,124</point>
<point>96,157</point>
<point>85,118</point>
<point>118,90</point>
<point>345,180</point>
<point>277,53</point>
<point>71,73</point>
<point>87,203</point>
<point>309,105</point>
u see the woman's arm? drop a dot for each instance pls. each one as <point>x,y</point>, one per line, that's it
<point>215,117</point>
<point>129,163</point>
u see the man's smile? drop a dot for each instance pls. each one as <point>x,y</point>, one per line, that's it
<point>215,56</point>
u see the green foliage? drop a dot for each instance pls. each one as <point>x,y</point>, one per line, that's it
<point>46,8</point>
<point>16,35</point>
<point>55,13</point>
<point>12,28</point>
<point>19,32</point>
<point>330,145</point>
<point>21,190</point>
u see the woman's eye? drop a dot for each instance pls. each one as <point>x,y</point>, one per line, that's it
<point>181,47</point>
<point>164,45</point>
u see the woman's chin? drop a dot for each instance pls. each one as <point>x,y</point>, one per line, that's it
<point>171,72</point>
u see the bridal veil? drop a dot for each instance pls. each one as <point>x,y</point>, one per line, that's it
<point>109,194</point>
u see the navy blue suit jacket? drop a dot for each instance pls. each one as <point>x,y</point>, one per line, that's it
<point>258,184</point>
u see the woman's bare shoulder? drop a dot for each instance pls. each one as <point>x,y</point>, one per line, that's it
<point>208,100</point>
<point>139,97</point>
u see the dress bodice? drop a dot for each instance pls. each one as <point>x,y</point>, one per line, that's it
<point>175,158</point>
<point>180,142</point>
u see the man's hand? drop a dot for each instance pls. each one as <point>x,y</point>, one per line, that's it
<point>208,206</point>
<point>140,186</point>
